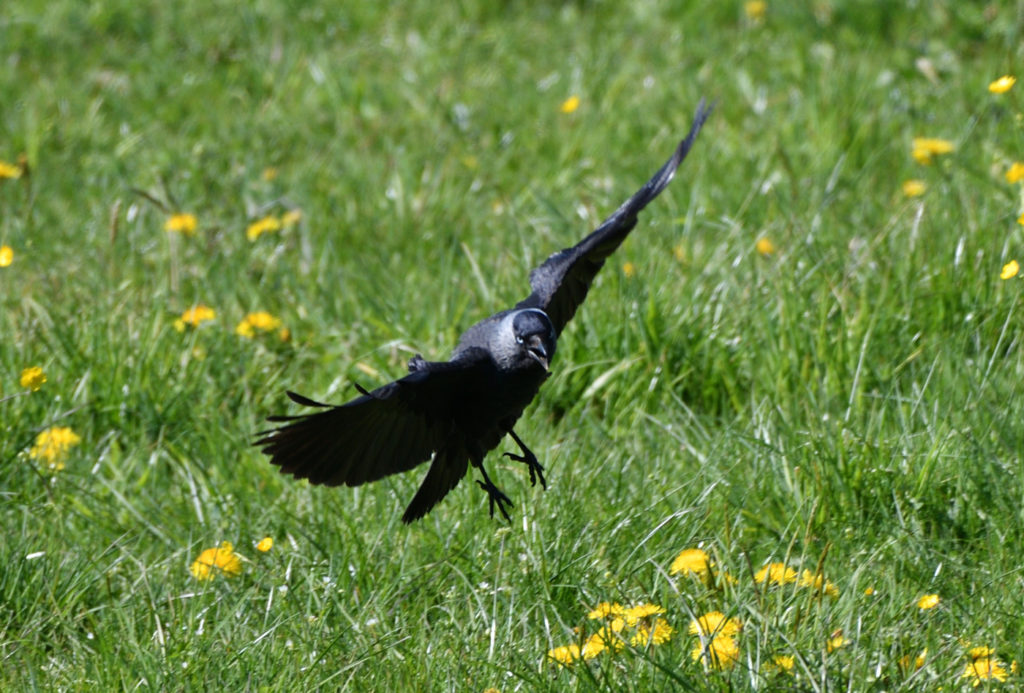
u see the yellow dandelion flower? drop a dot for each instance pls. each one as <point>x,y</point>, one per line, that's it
<point>291,218</point>
<point>679,253</point>
<point>606,609</point>
<point>32,378</point>
<point>218,560</point>
<point>182,223</point>
<point>629,270</point>
<point>928,601</point>
<point>836,641</point>
<point>1020,220</point>
<point>593,647</point>
<point>1002,85</point>
<point>8,170</point>
<point>906,664</point>
<point>819,583</point>
<point>984,668</point>
<point>1010,270</point>
<point>782,664</point>
<point>776,574</point>
<point>635,613</point>
<point>194,317</point>
<point>52,446</point>
<point>765,246</point>
<point>6,255</point>
<point>755,10</point>
<point>870,591</point>
<point>721,652</point>
<point>570,104</point>
<point>935,145</point>
<point>659,633</point>
<point>914,188</point>
<point>262,226</point>
<point>269,173</point>
<point>1015,173</point>
<point>714,624</point>
<point>284,334</point>
<point>566,654</point>
<point>921,156</point>
<point>605,639</point>
<point>265,544</point>
<point>688,561</point>
<point>261,321</point>
<point>925,148</point>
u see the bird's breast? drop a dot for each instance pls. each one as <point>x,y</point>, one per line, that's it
<point>497,397</point>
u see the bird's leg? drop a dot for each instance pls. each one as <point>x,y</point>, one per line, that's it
<point>536,469</point>
<point>494,495</point>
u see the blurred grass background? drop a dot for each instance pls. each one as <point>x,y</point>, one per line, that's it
<point>846,402</point>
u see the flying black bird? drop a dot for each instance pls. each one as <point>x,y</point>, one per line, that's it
<point>456,411</point>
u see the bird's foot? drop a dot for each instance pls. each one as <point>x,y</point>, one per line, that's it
<point>494,495</point>
<point>534,465</point>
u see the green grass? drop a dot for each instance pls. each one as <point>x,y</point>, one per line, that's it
<point>848,402</point>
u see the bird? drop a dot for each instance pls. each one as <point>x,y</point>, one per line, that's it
<point>454,412</point>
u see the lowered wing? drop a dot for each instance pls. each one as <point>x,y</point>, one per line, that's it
<point>390,430</point>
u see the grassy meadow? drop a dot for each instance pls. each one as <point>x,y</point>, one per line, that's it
<point>802,368</point>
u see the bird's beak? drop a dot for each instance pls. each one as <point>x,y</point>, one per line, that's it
<point>538,353</point>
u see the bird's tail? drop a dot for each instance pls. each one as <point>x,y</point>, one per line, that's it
<point>449,466</point>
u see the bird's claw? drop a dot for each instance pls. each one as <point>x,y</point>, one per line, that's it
<point>494,495</point>
<point>533,464</point>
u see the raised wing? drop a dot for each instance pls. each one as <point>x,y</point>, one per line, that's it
<point>561,283</point>
<point>390,430</point>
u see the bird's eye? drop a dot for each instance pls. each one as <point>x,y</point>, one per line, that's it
<point>519,340</point>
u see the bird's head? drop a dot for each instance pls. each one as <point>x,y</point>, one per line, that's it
<point>534,336</point>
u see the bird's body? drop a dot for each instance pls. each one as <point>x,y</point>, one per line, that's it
<point>456,411</point>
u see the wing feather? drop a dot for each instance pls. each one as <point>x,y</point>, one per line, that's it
<point>390,430</point>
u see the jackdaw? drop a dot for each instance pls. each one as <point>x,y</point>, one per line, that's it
<point>456,411</point>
